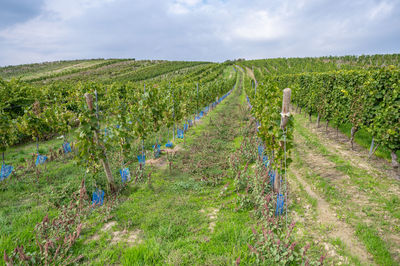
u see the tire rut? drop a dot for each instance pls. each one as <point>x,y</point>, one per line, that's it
<point>340,229</point>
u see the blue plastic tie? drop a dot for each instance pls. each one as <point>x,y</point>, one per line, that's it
<point>265,160</point>
<point>142,159</point>
<point>180,134</point>
<point>271,178</point>
<point>40,159</point>
<point>280,202</point>
<point>67,147</point>
<point>6,171</point>
<point>169,144</point>
<point>125,175</point>
<point>260,150</point>
<point>98,197</point>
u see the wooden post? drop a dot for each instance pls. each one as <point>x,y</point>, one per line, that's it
<point>285,107</point>
<point>277,181</point>
<point>285,114</point>
<point>104,161</point>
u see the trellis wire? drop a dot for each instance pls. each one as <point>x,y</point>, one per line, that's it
<point>285,174</point>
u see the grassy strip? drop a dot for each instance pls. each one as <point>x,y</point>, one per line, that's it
<point>172,213</point>
<point>343,251</point>
<point>374,244</point>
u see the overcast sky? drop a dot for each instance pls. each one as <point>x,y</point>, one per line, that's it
<point>211,30</point>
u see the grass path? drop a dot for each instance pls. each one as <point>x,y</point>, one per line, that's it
<point>183,217</point>
<point>345,202</point>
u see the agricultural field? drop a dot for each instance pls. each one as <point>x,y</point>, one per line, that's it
<point>154,162</point>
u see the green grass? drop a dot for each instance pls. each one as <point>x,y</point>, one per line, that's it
<point>374,244</point>
<point>342,250</point>
<point>145,254</point>
<point>310,199</point>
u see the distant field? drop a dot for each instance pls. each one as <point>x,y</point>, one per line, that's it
<point>37,70</point>
<point>100,70</point>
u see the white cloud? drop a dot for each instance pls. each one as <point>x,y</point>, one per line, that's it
<point>380,10</point>
<point>201,30</point>
<point>69,9</point>
<point>182,7</point>
<point>259,26</point>
<point>189,2</point>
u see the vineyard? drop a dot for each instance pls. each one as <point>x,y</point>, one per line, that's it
<point>151,162</point>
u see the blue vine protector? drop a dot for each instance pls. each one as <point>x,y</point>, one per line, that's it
<point>201,114</point>
<point>125,175</point>
<point>260,150</point>
<point>98,197</point>
<point>265,160</point>
<point>66,147</point>
<point>185,127</point>
<point>180,134</point>
<point>271,178</point>
<point>6,171</point>
<point>142,159</point>
<point>280,202</point>
<point>169,144</point>
<point>40,159</point>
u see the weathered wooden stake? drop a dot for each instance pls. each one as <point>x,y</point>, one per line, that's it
<point>285,107</point>
<point>285,114</point>
<point>104,161</point>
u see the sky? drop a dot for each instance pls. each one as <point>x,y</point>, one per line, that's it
<point>34,31</point>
